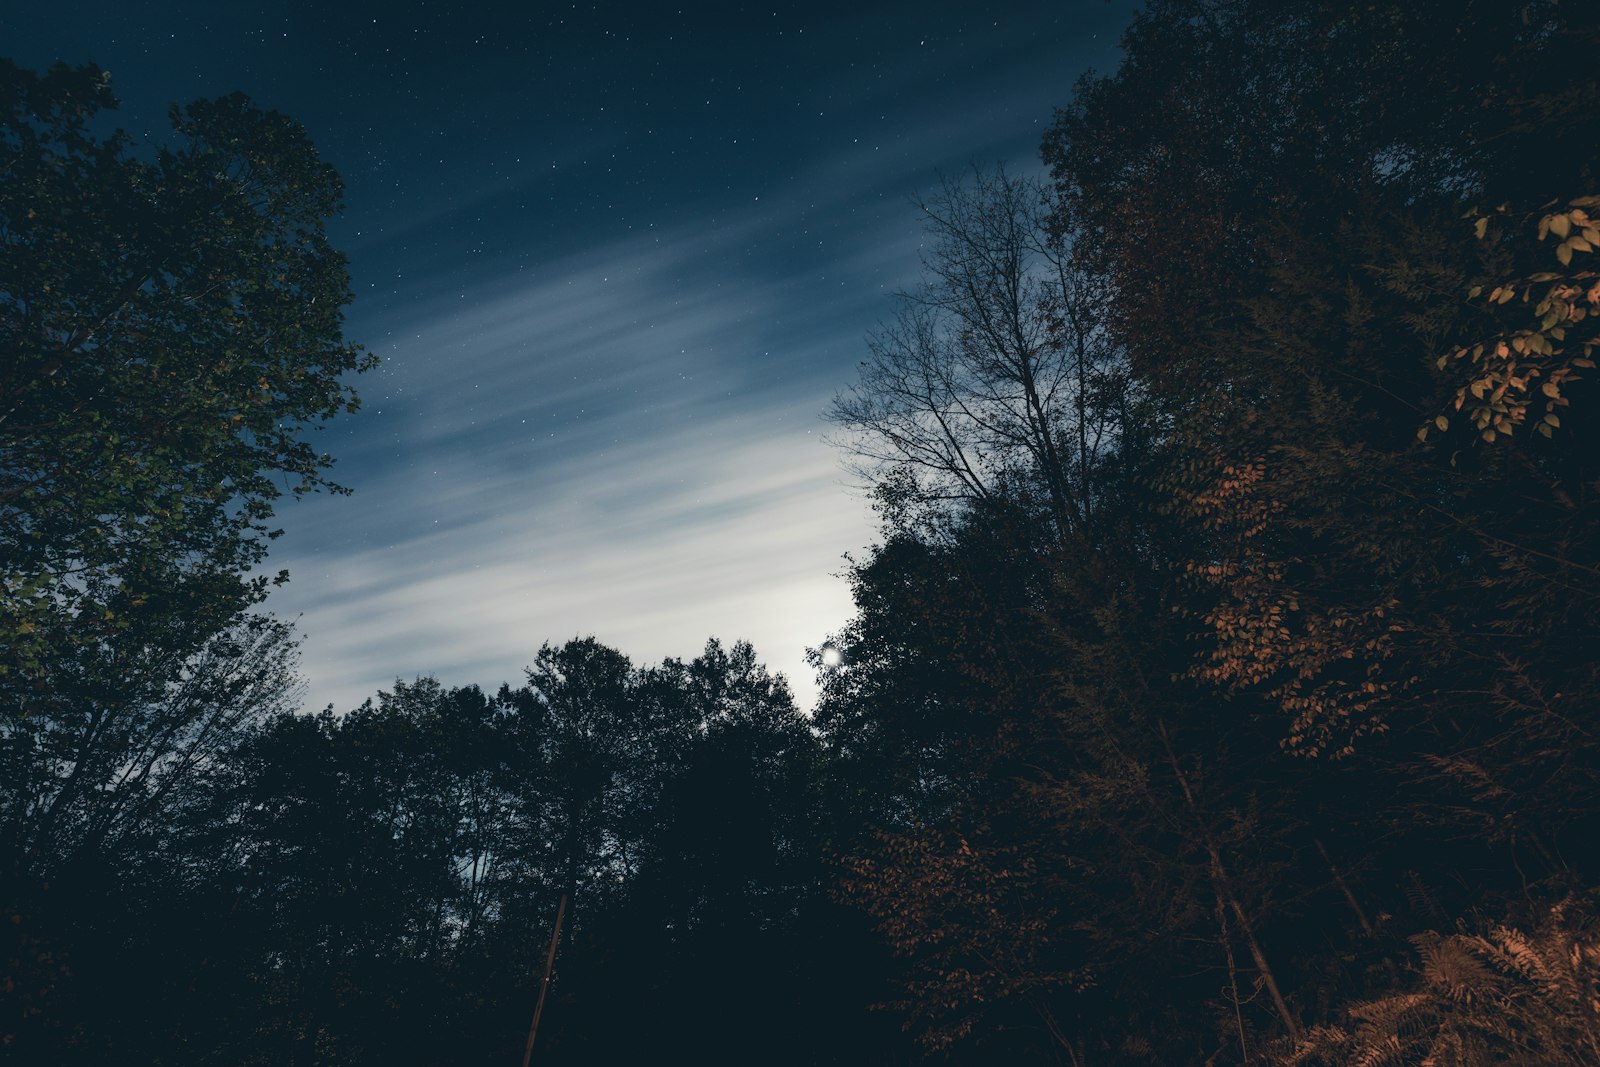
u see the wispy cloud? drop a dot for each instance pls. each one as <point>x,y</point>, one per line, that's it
<point>623,438</point>
<point>626,443</point>
<point>652,547</point>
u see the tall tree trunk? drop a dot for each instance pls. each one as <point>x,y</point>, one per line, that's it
<point>1233,979</point>
<point>1223,886</point>
<point>544,982</point>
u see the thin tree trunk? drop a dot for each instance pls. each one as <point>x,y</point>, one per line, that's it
<point>1049,1020</point>
<point>1233,979</point>
<point>1349,897</point>
<point>1224,890</point>
<point>544,983</point>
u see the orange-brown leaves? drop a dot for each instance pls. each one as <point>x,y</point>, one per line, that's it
<point>1323,666</point>
<point>967,917</point>
<point>1521,374</point>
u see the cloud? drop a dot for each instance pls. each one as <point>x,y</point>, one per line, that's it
<point>622,439</point>
<point>741,542</point>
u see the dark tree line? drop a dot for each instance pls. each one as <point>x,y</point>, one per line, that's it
<point>1220,691</point>
<point>378,886</point>
<point>192,870</point>
<point>1282,748</point>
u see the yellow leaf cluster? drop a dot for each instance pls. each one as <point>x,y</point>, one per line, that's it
<point>1519,376</point>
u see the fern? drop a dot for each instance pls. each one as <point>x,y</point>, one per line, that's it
<point>1503,996</point>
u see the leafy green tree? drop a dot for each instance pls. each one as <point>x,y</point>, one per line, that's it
<point>718,933</point>
<point>172,328</point>
<point>171,321</point>
<point>366,880</point>
<point>588,736</point>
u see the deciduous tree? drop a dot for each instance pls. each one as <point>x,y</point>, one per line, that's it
<point>172,325</point>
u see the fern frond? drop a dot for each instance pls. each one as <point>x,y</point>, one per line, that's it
<point>1505,996</point>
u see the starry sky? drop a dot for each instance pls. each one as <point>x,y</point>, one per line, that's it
<point>617,259</point>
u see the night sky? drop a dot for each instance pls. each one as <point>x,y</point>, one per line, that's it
<point>617,259</point>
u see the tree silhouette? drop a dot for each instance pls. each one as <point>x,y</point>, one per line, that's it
<point>173,325</point>
<point>991,383</point>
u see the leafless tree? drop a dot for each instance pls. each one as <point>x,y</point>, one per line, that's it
<point>990,383</point>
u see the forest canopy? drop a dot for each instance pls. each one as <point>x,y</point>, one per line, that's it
<point>1217,692</point>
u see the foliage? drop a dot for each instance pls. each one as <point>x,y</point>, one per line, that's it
<point>1189,683</point>
<point>99,786</point>
<point>1505,368</point>
<point>1275,205</point>
<point>378,886</point>
<point>1503,995</point>
<point>975,922</point>
<point>1299,323</point>
<point>172,326</point>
